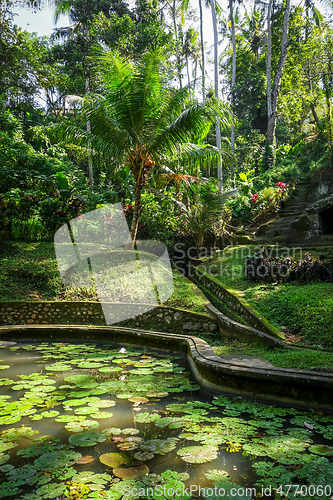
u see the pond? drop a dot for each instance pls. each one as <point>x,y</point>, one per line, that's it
<point>110,422</point>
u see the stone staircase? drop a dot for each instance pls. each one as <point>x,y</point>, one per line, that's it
<point>291,209</point>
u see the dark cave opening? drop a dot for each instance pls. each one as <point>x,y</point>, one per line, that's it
<point>326,221</point>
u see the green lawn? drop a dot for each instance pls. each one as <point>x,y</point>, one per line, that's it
<point>304,310</point>
<point>297,358</point>
<point>29,271</point>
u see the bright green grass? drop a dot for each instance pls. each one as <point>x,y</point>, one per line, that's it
<point>28,271</point>
<point>304,309</point>
<point>297,358</point>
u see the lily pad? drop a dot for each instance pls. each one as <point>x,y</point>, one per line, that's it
<point>114,459</point>
<point>51,490</point>
<point>110,369</point>
<point>87,438</point>
<point>81,426</point>
<point>138,399</point>
<point>320,449</point>
<point>217,474</point>
<point>131,472</point>
<point>53,460</point>
<point>144,418</point>
<point>87,459</point>
<point>143,456</point>
<point>198,454</point>
<point>50,414</point>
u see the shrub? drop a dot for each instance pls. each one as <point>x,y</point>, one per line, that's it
<point>262,269</point>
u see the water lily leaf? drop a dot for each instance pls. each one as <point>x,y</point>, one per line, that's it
<point>157,394</point>
<point>130,431</point>
<point>3,458</point>
<point>21,473</point>
<point>50,414</point>
<point>59,367</point>
<point>80,394</point>
<point>198,454</point>
<point>86,410</point>
<point>75,402</point>
<point>4,367</point>
<point>90,477</point>
<point>216,474</point>
<point>51,490</point>
<point>103,403</point>
<point>56,459</point>
<point>110,369</point>
<point>7,420</point>
<point>6,445</point>
<point>161,446</point>
<point>81,426</point>
<point>18,433</point>
<point>143,456</point>
<point>276,447</point>
<point>8,490</point>
<point>87,438</point>
<point>70,418</point>
<point>102,414</point>
<point>87,459</point>
<point>112,431</point>
<point>320,449</point>
<point>131,472</point>
<point>87,364</point>
<point>138,399</point>
<point>144,418</point>
<point>124,395</point>
<point>114,459</point>
<point>6,381</point>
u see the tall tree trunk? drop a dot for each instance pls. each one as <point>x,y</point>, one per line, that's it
<point>202,54</point>
<point>269,62</point>
<point>136,213</point>
<point>90,167</point>
<point>173,10</point>
<point>233,83</point>
<point>188,77</point>
<point>277,79</point>
<point>216,88</point>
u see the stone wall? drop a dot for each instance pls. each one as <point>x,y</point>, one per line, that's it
<point>160,318</point>
<point>239,306</point>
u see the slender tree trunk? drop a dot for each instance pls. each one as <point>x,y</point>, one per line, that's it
<point>188,77</point>
<point>202,54</point>
<point>269,62</point>
<point>233,83</point>
<point>216,88</point>
<point>136,213</point>
<point>176,37</point>
<point>278,74</point>
<point>90,167</point>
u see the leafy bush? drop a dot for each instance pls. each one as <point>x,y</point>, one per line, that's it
<point>262,269</point>
<point>160,218</point>
<point>266,203</point>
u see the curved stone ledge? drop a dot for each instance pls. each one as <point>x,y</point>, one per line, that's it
<point>230,328</point>
<point>211,371</point>
<point>238,305</point>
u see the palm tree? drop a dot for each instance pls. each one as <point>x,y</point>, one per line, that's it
<point>140,122</point>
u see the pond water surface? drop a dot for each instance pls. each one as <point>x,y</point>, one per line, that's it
<point>110,422</point>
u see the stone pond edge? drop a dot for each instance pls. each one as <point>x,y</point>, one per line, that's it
<point>271,384</point>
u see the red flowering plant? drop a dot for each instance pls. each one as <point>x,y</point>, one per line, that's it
<point>254,198</point>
